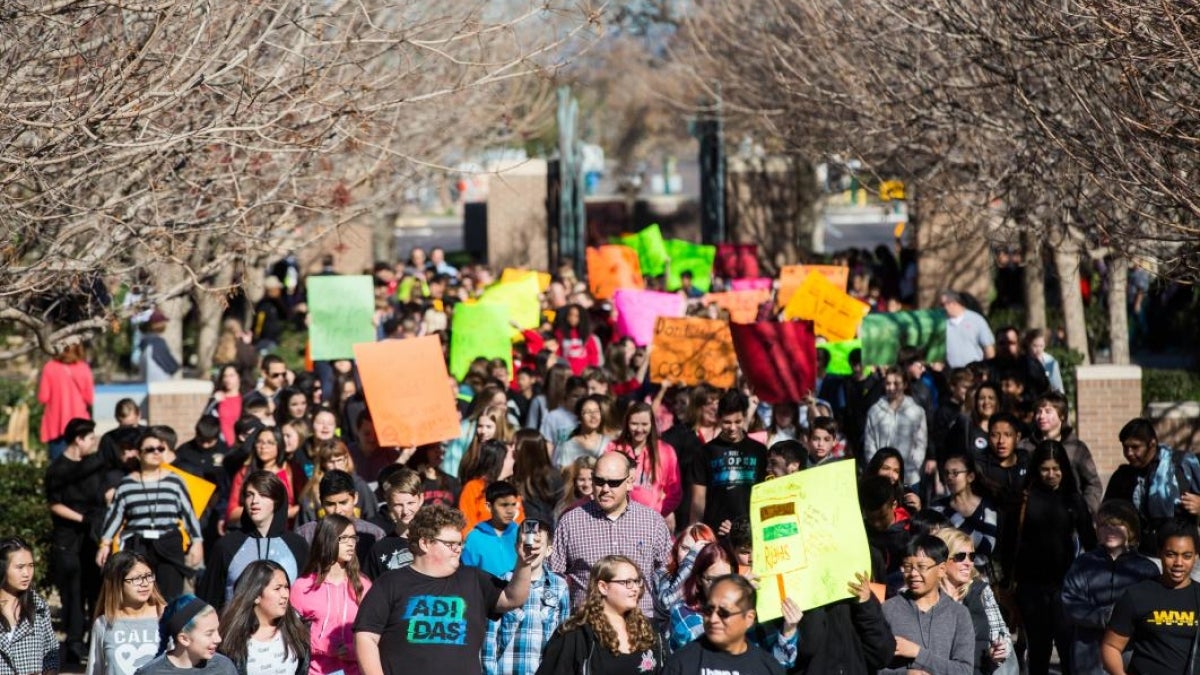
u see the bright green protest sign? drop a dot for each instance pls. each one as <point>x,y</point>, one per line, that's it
<point>479,329</point>
<point>808,538</point>
<point>651,249</point>
<point>341,313</point>
<point>839,355</point>
<point>694,258</point>
<point>883,335</point>
<point>521,297</point>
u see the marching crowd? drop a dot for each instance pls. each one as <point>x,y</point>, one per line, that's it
<point>588,521</point>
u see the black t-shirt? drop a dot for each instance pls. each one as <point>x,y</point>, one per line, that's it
<point>701,658</point>
<point>605,662</point>
<point>1161,624</point>
<point>729,470</point>
<point>78,485</point>
<point>429,624</point>
<point>390,553</point>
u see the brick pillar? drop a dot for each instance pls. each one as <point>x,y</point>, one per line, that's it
<point>516,217</point>
<point>1106,397</point>
<point>178,404</point>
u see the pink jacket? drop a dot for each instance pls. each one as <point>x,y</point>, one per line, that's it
<point>330,610</point>
<point>664,494</point>
<point>67,390</point>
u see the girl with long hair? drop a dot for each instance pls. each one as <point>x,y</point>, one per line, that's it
<point>264,635</point>
<point>888,462</point>
<point>579,489</point>
<point>590,437</point>
<point>551,398</point>
<point>439,487</point>
<point>538,482</point>
<point>970,434</point>
<point>327,596</point>
<point>189,633</point>
<point>608,634</point>
<point>702,412</point>
<point>576,342</point>
<point>668,583</point>
<point>491,424</point>
<point>971,507</point>
<point>296,436</point>
<point>125,633</point>
<point>27,640</point>
<point>267,447</point>
<point>328,456</point>
<point>226,401</point>
<point>495,463</point>
<point>293,405</point>
<point>655,469</point>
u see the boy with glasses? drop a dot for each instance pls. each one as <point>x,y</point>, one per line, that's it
<point>934,634</point>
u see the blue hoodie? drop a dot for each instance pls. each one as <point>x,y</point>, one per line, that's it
<point>492,551</point>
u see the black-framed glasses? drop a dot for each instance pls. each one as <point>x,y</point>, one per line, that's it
<point>963,556</point>
<point>613,483</point>
<point>631,584</point>
<point>143,580</point>
<point>909,568</point>
<point>721,612</point>
<point>455,546</point>
<point>342,539</point>
<point>153,448</point>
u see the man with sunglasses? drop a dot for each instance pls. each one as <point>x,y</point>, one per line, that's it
<point>431,617</point>
<point>728,615</point>
<point>610,524</point>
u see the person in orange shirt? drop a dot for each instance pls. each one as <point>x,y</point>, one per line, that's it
<point>495,463</point>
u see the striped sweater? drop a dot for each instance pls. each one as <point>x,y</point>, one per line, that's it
<point>158,505</point>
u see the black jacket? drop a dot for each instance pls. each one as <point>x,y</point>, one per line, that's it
<point>570,653</point>
<point>846,638</point>
<point>237,549</point>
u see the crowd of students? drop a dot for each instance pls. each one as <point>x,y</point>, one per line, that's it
<point>590,521</point>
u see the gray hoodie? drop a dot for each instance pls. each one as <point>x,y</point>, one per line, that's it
<point>944,633</point>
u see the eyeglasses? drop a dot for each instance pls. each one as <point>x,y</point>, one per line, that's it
<point>631,584</point>
<point>153,449</point>
<point>144,580</point>
<point>452,545</point>
<point>955,473</point>
<point>919,569</point>
<point>721,612</point>
<point>963,556</point>
<point>613,483</point>
<point>350,537</point>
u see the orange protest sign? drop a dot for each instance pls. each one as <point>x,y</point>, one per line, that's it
<point>835,315</point>
<point>611,267</point>
<point>791,276</point>
<point>741,305</point>
<point>691,350</point>
<point>408,391</point>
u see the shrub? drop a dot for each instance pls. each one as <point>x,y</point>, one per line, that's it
<point>1160,385</point>
<point>24,512</point>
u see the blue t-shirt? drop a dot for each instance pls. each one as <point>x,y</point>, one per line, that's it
<point>491,551</point>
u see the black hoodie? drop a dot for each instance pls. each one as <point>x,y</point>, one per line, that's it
<point>235,551</point>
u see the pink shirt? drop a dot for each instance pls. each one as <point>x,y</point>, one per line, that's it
<point>66,390</point>
<point>662,495</point>
<point>330,610</point>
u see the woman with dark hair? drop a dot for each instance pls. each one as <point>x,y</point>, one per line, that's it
<point>702,412</point>
<point>608,634</point>
<point>888,462</point>
<point>551,398</point>
<point>589,438</point>
<point>328,456</point>
<point>189,633</point>
<point>655,470</point>
<point>495,463</point>
<point>226,401</point>
<point>714,561</point>
<point>971,507</point>
<point>327,596</point>
<point>969,434</point>
<point>27,641</point>
<point>147,509</point>
<point>267,455</point>
<point>264,635</point>
<point>540,484</point>
<point>125,633</point>
<point>1051,525</point>
<point>576,343</point>
<point>439,487</point>
<point>293,405</point>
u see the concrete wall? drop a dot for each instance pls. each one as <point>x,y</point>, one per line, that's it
<point>1106,398</point>
<point>1177,424</point>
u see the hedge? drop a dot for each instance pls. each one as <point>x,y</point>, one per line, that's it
<point>24,512</point>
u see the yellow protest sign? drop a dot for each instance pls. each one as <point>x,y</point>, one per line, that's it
<point>741,305</point>
<point>834,313</point>
<point>791,276</point>
<point>808,538</point>
<point>516,274</point>
<point>691,350</point>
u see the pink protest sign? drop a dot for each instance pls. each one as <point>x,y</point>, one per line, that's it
<point>638,310</point>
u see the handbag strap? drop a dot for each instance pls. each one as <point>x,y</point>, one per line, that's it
<point>1191,662</point>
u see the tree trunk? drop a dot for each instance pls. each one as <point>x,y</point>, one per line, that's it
<point>1118,319</point>
<point>1066,261</point>
<point>1034,279</point>
<point>209,309</point>
<point>169,274</point>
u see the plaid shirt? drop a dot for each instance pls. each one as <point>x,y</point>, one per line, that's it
<point>903,429</point>
<point>513,645</point>
<point>31,646</point>
<point>586,534</point>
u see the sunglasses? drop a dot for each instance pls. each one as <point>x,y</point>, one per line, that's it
<point>613,483</point>
<point>721,612</point>
<point>154,449</point>
<point>963,556</point>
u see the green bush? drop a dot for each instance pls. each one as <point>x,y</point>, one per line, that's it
<point>24,512</point>
<point>1169,385</point>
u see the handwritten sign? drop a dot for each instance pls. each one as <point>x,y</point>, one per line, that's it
<point>808,537</point>
<point>408,391</point>
<point>835,315</point>
<point>742,306</point>
<point>791,276</point>
<point>521,297</point>
<point>479,329</point>
<point>691,350</point>
<point>638,311</point>
<point>341,312</point>
<point>612,267</point>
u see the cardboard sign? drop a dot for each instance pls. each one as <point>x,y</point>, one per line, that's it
<point>758,284</point>
<point>742,306</point>
<point>690,351</point>
<point>612,267</point>
<point>341,313</point>
<point>650,247</point>
<point>521,297</point>
<point>514,274</point>
<point>883,335</point>
<point>638,311</point>
<point>791,276</point>
<point>689,257</point>
<point>408,391</point>
<point>778,358</point>
<point>808,537</point>
<point>834,313</point>
<point>479,329</point>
